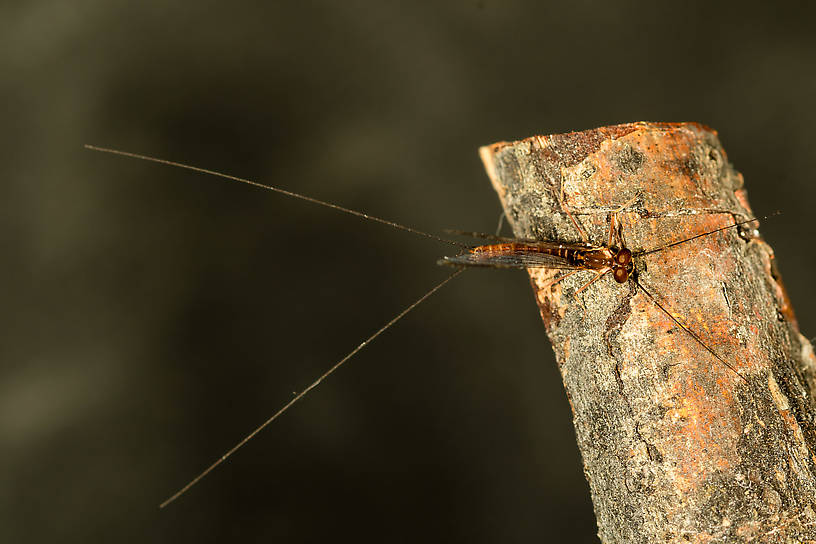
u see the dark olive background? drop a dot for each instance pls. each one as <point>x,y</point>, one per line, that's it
<point>152,317</point>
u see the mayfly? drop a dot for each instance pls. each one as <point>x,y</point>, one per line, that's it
<point>601,259</point>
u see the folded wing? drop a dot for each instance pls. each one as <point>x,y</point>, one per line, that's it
<point>512,256</point>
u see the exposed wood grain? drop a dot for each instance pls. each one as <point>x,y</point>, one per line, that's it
<point>676,446</point>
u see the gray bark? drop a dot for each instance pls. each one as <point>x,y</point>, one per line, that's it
<point>676,446</point>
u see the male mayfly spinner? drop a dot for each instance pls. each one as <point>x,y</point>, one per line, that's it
<point>613,257</point>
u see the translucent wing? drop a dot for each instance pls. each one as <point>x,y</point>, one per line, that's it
<point>514,256</point>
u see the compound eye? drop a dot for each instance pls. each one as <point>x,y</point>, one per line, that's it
<point>623,256</point>
<point>621,275</point>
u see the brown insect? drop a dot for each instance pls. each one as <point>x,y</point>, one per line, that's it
<point>512,253</point>
<point>613,257</point>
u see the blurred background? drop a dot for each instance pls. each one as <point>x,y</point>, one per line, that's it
<point>152,316</point>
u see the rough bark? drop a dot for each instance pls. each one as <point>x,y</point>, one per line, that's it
<point>676,446</point>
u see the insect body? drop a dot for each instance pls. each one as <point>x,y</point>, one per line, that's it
<point>549,255</point>
<point>555,255</point>
<point>612,257</point>
<point>579,257</point>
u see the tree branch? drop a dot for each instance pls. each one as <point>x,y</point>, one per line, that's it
<point>677,447</point>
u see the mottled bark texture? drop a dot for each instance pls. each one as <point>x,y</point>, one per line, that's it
<point>676,446</point>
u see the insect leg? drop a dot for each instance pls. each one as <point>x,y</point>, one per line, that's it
<point>598,275</point>
<point>691,332</point>
<point>613,224</point>
<point>612,221</point>
<point>501,223</point>
<point>560,278</point>
<point>563,205</point>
